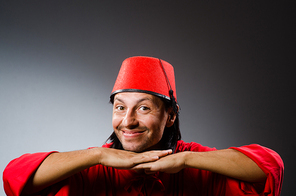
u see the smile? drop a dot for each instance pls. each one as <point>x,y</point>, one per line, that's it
<point>132,133</point>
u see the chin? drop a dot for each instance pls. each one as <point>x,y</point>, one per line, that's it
<point>134,148</point>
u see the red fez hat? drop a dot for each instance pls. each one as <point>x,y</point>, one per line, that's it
<point>148,75</point>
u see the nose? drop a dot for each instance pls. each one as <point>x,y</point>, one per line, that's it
<point>130,119</point>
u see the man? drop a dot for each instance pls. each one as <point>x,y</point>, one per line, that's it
<point>146,155</point>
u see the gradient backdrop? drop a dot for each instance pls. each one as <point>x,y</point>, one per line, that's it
<point>233,62</point>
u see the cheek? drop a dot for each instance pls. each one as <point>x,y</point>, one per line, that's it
<point>156,124</point>
<point>115,121</point>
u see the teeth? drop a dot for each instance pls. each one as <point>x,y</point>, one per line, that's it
<point>129,133</point>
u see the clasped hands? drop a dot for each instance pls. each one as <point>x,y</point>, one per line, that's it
<point>149,161</point>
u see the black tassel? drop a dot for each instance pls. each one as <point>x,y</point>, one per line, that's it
<point>173,101</point>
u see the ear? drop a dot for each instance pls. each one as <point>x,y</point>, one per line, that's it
<point>171,117</point>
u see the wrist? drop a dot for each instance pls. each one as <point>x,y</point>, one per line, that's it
<point>95,155</point>
<point>189,159</point>
<point>186,159</point>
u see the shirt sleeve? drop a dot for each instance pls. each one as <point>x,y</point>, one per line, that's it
<point>271,164</point>
<point>19,170</point>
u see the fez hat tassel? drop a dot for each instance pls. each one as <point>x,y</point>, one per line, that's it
<point>171,92</point>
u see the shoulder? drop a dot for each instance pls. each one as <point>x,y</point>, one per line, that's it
<point>107,145</point>
<point>260,154</point>
<point>192,146</point>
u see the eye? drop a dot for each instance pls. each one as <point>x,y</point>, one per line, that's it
<point>119,107</point>
<point>144,108</point>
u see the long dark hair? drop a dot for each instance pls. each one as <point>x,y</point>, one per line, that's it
<point>170,137</point>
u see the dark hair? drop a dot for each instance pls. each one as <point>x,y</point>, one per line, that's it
<point>170,137</point>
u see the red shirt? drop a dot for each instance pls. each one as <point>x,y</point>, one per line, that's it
<point>102,180</point>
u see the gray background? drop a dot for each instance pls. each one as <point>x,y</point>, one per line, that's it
<point>233,62</point>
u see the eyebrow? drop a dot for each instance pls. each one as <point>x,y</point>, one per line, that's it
<point>139,101</point>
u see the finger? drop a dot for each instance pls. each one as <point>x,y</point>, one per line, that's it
<point>145,166</point>
<point>151,156</point>
<point>167,152</point>
<point>161,153</point>
<point>144,158</point>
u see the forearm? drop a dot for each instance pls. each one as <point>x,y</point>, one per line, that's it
<point>228,162</point>
<point>59,166</point>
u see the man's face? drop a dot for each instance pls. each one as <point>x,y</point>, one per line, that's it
<point>138,120</point>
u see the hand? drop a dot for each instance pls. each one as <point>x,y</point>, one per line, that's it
<point>122,159</point>
<point>169,164</point>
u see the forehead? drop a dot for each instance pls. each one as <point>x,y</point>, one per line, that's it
<point>137,97</point>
